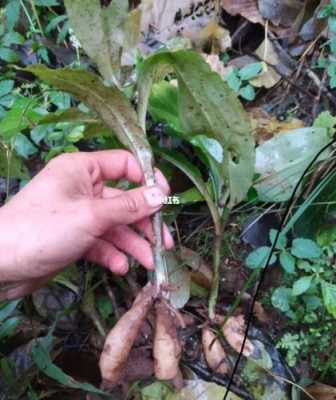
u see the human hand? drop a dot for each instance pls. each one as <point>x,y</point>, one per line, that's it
<point>66,212</point>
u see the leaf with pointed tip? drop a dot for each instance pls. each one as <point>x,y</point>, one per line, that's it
<point>109,103</point>
<point>193,173</point>
<point>206,106</point>
<point>102,31</point>
<point>70,115</point>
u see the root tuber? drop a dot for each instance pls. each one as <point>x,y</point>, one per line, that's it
<point>234,332</point>
<point>214,352</point>
<point>120,340</point>
<point>167,348</point>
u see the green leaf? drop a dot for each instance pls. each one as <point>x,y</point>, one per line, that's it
<point>300,213</point>
<point>8,327</point>
<point>76,134</point>
<point>326,236</point>
<point>192,173</point>
<point>7,101</point>
<point>23,146</point>
<point>71,115</point>
<point>332,24</point>
<point>197,389</point>
<point>55,22</point>
<point>63,33</point>
<point>46,3</point>
<point>207,106</point>
<point>110,104</point>
<point>329,297</point>
<point>6,86</point>
<point>281,298</point>
<point>42,359</point>
<point>214,156</point>
<point>332,82</point>
<point>60,99</point>
<point>19,117</point>
<point>100,32</point>
<point>98,129</point>
<point>190,196</point>
<point>12,38</point>
<point>248,92</point>
<point>6,309</point>
<point>104,306</point>
<point>312,302</point>
<point>12,13</point>
<point>281,242</point>
<point>287,262</point>
<point>305,248</point>
<point>8,55</point>
<point>327,121</point>
<point>326,11</point>
<point>155,391</point>
<point>163,105</point>
<point>234,82</point>
<point>7,371</point>
<point>302,285</point>
<point>250,71</point>
<point>258,258</point>
<point>282,160</point>
<point>32,395</point>
<point>12,166</point>
<point>209,146</point>
<point>179,278</point>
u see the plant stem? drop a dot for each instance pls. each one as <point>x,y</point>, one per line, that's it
<point>219,228</point>
<point>32,4</point>
<point>237,301</point>
<point>161,276</point>
<point>31,23</point>
<point>215,280</point>
<point>161,273</point>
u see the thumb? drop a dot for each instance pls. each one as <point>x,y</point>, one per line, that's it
<point>128,207</point>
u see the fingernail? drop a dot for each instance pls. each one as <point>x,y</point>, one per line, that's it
<point>154,196</point>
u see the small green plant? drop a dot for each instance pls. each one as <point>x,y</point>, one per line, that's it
<point>291,343</point>
<point>313,345</point>
<point>239,80</point>
<point>306,295</point>
<point>309,277</point>
<point>329,12</point>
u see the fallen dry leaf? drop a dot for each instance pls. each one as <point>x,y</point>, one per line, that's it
<point>201,272</point>
<point>163,19</point>
<point>219,37</point>
<point>269,77</point>
<point>246,8</point>
<point>321,391</point>
<point>265,125</point>
<point>215,63</point>
<point>282,12</point>
<point>234,331</point>
<point>214,352</point>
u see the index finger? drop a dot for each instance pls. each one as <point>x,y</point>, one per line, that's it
<point>117,164</point>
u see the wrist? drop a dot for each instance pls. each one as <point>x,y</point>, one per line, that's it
<point>9,246</point>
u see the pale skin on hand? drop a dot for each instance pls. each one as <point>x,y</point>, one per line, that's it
<point>67,212</point>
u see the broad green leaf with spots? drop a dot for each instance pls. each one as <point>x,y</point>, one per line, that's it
<point>206,106</point>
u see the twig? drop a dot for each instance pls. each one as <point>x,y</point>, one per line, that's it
<point>112,297</point>
<point>32,4</point>
<point>31,23</point>
<point>318,97</point>
<point>292,65</point>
